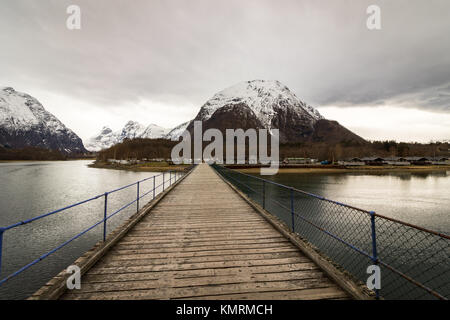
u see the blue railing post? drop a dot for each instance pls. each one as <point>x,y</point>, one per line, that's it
<point>292,210</point>
<point>374,246</point>
<point>137,198</point>
<point>1,248</point>
<point>154,187</point>
<point>105,213</point>
<point>264,195</point>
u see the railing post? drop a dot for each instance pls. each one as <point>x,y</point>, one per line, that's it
<point>154,186</point>
<point>170,180</point>
<point>292,210</point>
<point>105,213</point>
<point>137,198</point>
<point>374,246</point>
<point>1,248</point>
<point>163,181</point>
<point>264,195</point>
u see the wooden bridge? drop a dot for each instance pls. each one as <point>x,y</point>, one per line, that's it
<point>200,240</point>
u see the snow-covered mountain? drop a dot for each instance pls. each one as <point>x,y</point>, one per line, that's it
<point>176,132</point>
<point>260,104</point>
<point>154,131</point>
<point>263,97</point>
<point>132,129</point>
<point>270,105</point>
<point>255,104</point>
<point>24,122</point>
<point>105,139</point>
<point>251,104</point>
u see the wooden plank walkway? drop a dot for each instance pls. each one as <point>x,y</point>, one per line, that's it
<point>203,241</point>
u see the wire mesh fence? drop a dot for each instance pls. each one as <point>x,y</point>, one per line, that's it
<point>414,262</point>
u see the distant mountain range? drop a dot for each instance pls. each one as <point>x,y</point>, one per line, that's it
<point>132,129</point>
<point>251,104</point>
<point>24,122</point>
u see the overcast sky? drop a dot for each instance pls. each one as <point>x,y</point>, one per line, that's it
<point>159,61</point>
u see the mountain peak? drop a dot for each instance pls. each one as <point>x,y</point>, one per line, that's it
<point>8,89</point>
<point>266,98</point>
<point>131,123</point>
<point>25,122</point>
<point>106,130</point>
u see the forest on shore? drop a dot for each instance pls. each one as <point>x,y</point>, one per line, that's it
<point>161,148</point>
<point>140,148</point>
<point>38,154</point>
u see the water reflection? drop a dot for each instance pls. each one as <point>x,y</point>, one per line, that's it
<point>406,175</point>
<point>418,197</point>
<point>30,189</point>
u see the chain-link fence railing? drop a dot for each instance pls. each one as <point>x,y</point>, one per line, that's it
<point>414,262</point>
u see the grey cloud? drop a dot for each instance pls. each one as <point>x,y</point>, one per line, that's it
<point>183,50</point>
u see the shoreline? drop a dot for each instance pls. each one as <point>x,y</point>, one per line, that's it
<point>138,167</point>
<point>75,159</point>
<point>361,169</point>
<point>284,169</point>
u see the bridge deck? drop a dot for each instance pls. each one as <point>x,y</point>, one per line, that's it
<point>203,241</point>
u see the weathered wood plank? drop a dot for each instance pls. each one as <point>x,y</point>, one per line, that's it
<point>187,240</point>
<point>145,254</point>
<point>112,261</point>
<point>205,256</point>
<point>197,234</point>
<point>144,284</point>
<point>305,294</point>
<point>208,272</point>
<point>194,291</point>
<point>204,241</point>
<point>201,244</point>
<point>213,249</point>
<point>195,266</point>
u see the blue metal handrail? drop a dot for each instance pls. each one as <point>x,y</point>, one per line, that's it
<point>106,217</point>
<point>373,256</point>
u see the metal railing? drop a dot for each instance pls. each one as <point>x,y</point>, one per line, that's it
<point>174,176</point>
<point>414,261</point>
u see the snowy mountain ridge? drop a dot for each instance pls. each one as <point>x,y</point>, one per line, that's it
<point>271,103</point>
<point>262,96</point>
<point>251,104</point>
<point>25,122</point>
<point>132,129</point>
<point>176,132</point>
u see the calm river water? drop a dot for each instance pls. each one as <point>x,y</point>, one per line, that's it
<point>29,189</point>
<point>421,198</point>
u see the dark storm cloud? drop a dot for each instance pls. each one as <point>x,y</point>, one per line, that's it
<point>185,51</point>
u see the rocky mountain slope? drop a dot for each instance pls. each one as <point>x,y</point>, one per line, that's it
<point>24,122</point>
<point>176,132</point>
<point>270,105</point>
